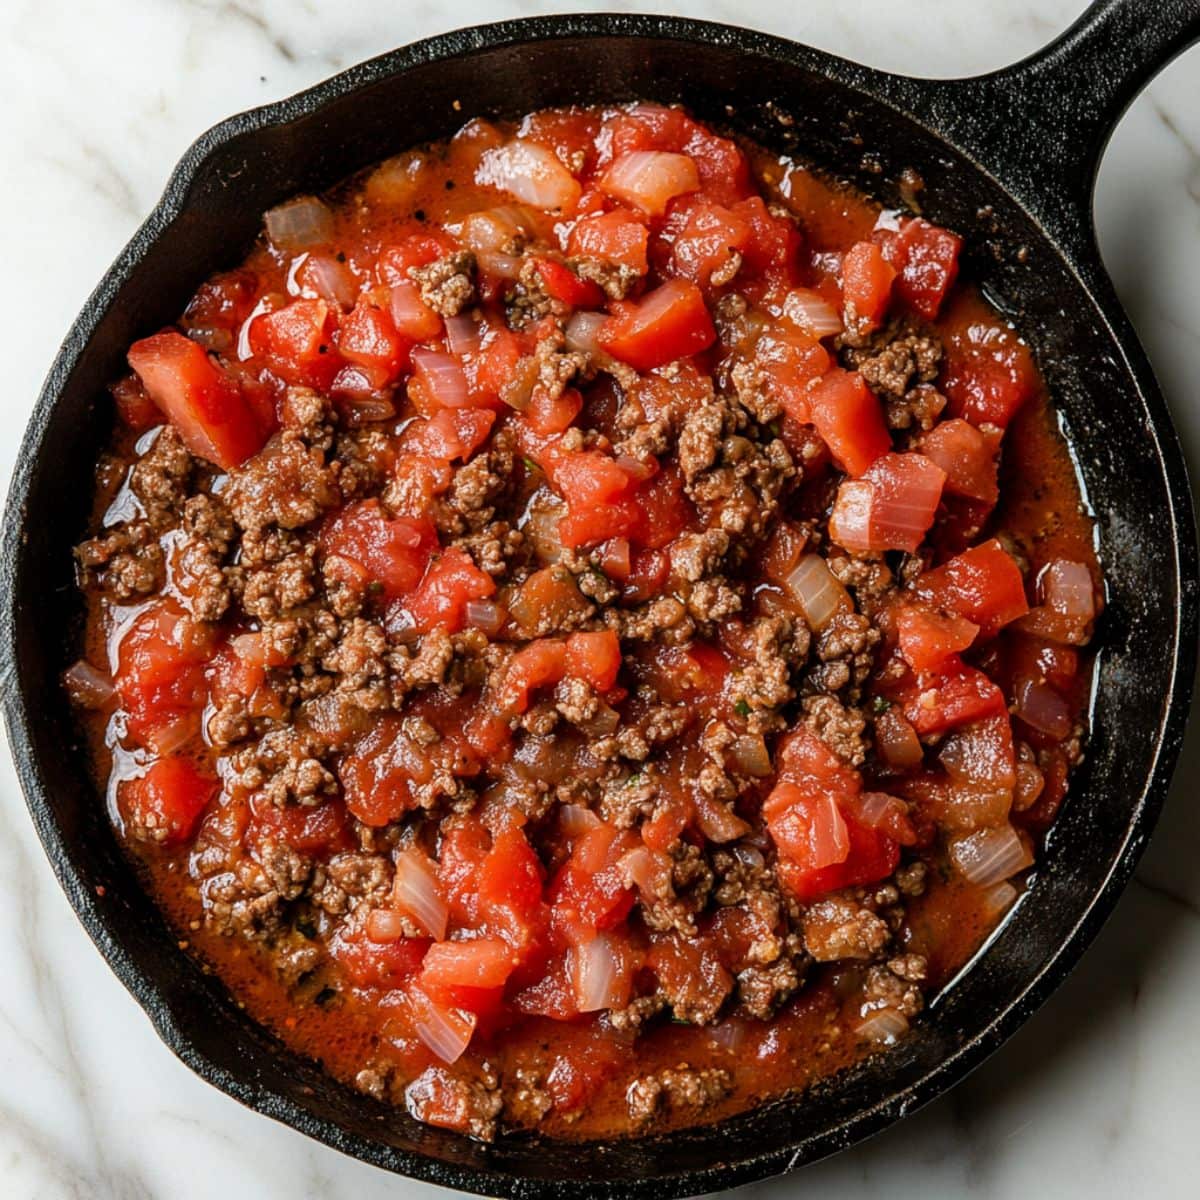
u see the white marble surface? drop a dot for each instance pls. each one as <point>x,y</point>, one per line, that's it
<point>1098,1096</point>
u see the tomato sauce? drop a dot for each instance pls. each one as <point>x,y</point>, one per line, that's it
<point>667,260</point>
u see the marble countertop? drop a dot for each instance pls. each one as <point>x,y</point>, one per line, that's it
<point>1099,1095</point>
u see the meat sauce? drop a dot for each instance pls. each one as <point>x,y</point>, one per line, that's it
<point>587,625</point>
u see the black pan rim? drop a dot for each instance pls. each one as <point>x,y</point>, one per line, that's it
<point>753,1166</point>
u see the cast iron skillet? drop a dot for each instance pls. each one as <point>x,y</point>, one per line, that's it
<point>1007,159</point>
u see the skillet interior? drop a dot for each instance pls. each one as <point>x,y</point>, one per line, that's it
<point>210,216</point>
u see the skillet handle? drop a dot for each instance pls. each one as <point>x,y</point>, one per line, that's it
<point>1044,122</point>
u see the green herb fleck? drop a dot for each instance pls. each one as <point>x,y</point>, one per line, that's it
<point>635,779</point>
<point>530,465</point>
<point>375,587</point>
<point>742,708</point>
<point>880,705</point>
<point>776,428</point>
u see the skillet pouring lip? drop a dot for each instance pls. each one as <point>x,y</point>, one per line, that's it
<point>741,1149</point>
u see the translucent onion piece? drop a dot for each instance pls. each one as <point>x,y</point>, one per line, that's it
<point>575,819</point>
<point>363,410</point>
<point>718,822</point>
<point>446,1031</point>
<point>820,595</point>
<point>1030,782</point>
<point>879,810</point>
<point>651,179</point>
<point>749,752</point>
<point>415,893</point>
<point>518,391</point>
<point>602,723</point>
<point>385,925</point>
<point>542,531</point>
<point>531,173</point>
<point>811,312</point>
<point>329,279</point>
<point>583,331</point>
<point>1040,706</point>
<point>729,1035</point>
<point>299,224</point>
<point>505,266</point>
<point>443,377</point>
<point>850,521</point>
<point>897,741</point>
<point>463,335</point>
<point>647,870</point>
<point>1067,589</point>
<point>998,899</point>
<point>496,231</point>
<point>166,739</point>
<point>595,975</point>
<point>88,687</point>
<point>989,855</point>
<point>980,754</point>
<point>411,315</point>
<point>486,615</point>
<point>750,855</point>
<point>884,1026</point>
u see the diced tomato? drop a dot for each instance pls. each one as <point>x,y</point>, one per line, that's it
<point>416,250</point>
<point>377,964</point>
<point>866,285</point>
<point>707,244</point>
<point>535,665</point>
<point>791,362</point>
<point>160,674</point>
<point>394,553</point>
<point>665,509</point>
<point>690,967</point>
<point>549,414</point>
<point>988,373</point>
<point>926,257</point>
<point>935,704</point>
<point>451,433</point>
<point>440,600</point>
<point>482,963</point>
<point>872,856</point>
<point>594,657</point>
<point>420,478</point>
<point>590,893</point>
<point>807,826</point>
<point>616,237</point>
<point>773,249</point>
<point>666,324</point>
<point>377,774</point>
<point>311,830</point>
<point>297,342</point>
<point>165,804</point>
<point>510,887</point>
<point>968,456</point>
<point>579,1074</point>
<point>561,283</point>
<point>463,851</point>
<point>368,336</point>
<point>198,398</point>
<point>849,417</point>
<point>982,584</point>
<point>927,639</point>
<point>891,507</point>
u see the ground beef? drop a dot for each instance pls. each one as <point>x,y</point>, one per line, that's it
<point>896,359</point>
<point>471,1105</point>
<point>350,879</point>
<point>896,986</point>
<point>836,928</point>
<point>615,279</point>
<point>676,1089</point>
<point>842,729</point>
<point>161,479</point>
<point>249,897</point>
<point>288,484</point>
<point>446,284</point>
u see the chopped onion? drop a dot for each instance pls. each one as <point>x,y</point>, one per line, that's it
<point>503,266</point>
<point>575,819</point>
<point>884,1026</point>
<point>811,312</point>
<point>321,275</point>
<point>603,722</point>
<point>647,870</point>
<point>749,752</point>
<point>518,391</point>
<point>729,1035</point>
<point>166,739</point>
<point>446,1031</point>
<point>651,179</point>
<point>596,975</point>
<point>878,810</point>
<point>850,521</point>
<point>897,741</point>
<point>998,899</point>
<point>411,315</point>
<point>748,854</point>
<point>486,615</point>
<point>583,331</point>
<point>496,231</point>
<point>363,409</point>
<point>531,173</point>
<point>638,469</point>
<point>980,753</point>
<point>1029,785</point>
<point>718,822</point>
<point>385,925</point>
<point>989,855</point>
<point>817,591</point>
<point>1067,588</point>
<point>299,224</point>
<point>415,893</point>
<point>1040,706</point>
<point>88,687</point>
<point>463,335</point>
<point>442,376</point>
<point>542,530</point>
